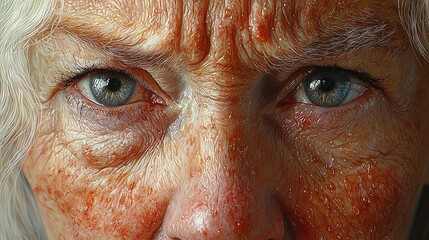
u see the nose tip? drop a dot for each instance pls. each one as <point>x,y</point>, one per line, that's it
<point>203,213</point>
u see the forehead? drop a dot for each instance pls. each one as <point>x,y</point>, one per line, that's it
<point>198,30</point>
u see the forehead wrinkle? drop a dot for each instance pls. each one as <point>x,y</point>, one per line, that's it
<point>306,40</point>
<point>152,25</point>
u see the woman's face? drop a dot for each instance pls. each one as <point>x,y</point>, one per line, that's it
<point>228,120</point>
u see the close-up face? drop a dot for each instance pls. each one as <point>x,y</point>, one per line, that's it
<point>294,119</point>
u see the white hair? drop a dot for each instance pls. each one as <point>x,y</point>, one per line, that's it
<point>415,18</point>
<point>20,22</point>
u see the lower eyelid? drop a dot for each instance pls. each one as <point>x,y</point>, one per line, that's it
<point>297,118</point>
<point>103,119</point>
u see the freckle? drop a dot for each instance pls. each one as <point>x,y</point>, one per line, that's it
<point>49,189</point>
<point>37,189</point>
<point>89,203</point>
<point>228,13</point>
<point>122,200</point>
<point>58,194</point>
<point>132,186</point>
<point>215,213</point>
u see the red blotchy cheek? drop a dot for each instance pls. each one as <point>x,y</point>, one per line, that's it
<point>128,212</point>
<point>375,198</point>
<point>357,205</point>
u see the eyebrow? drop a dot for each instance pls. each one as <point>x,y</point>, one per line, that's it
<point>336,41</point>
<point>121,51</point>
<point>344,40</point>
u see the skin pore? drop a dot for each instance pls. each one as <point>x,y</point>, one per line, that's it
<point>219,140</point>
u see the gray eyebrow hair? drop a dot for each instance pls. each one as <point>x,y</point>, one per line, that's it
<point>339,41</point>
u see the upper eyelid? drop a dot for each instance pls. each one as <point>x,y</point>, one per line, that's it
<point>361,77</point>
<point>94,69</point>
<point>357,74</point>
<point>77,72</point>
<point>293,79</point>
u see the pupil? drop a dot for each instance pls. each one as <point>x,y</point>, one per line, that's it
<point>327,85</point>
<point>114,84</point>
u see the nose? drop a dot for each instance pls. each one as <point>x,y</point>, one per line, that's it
<point>227,180</point>
<point>224,209</point>
<point>229,192</point>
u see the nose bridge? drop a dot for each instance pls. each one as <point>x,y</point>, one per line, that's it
<point>222,196</point>
<point>218,142</point>
<point>216,134</point>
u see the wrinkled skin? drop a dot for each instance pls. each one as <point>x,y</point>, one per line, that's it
<point>219,146</point>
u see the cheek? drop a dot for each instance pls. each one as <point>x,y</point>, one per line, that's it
<point>353,181</point>
<point>89,202</point>
<point>91,183</point>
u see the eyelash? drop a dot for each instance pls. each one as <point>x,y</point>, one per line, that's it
<point>374,82</point>
<point>80,71</point>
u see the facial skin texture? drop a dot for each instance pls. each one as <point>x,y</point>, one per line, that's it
<point>221,148</point>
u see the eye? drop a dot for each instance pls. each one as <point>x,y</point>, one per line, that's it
<point>108,88</point>
<point>331,86</point>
